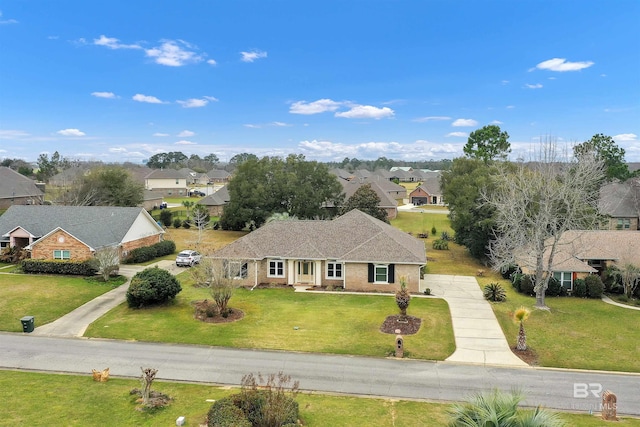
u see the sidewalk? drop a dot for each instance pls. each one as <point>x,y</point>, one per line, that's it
<point>75,323</point>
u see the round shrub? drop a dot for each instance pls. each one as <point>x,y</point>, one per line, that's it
<point>177,223</point>
<point>165,217</point>
<point>579,288</point>
<point>152,286</point>
<point>166,247</point>
<point>224,413</point>
<point>526,285</point>
<point>554,288</point>
<point>595,287</point>
<point>186,225</point>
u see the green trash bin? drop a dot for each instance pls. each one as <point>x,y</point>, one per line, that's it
<point>28,323</point>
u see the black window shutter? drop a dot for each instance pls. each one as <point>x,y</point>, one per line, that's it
<point>371,273</point>
<point>392,273</point>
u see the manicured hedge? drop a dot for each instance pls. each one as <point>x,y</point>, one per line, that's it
<point>36,266</point>
<point>152,286</point>
<point>224,413</point>
<point>147,253</point>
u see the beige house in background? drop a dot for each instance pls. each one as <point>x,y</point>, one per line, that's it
<point>354,251</point>
<point>168,182</point>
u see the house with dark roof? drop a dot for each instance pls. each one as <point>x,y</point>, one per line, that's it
<point>216,202</point>
<point>620,203</point>
<point>168,182</point>
<point>388,203</point>
<point>427,193</point>
<point>218,176</point>
<point>17,189</point>
<point>76,232</point>
<point>354,251</point>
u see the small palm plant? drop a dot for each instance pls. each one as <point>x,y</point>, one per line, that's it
<point>494,292</point>
<point>520,316</point>
<point>403,297</point>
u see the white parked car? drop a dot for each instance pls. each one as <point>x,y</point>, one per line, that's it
<point>188,258</point>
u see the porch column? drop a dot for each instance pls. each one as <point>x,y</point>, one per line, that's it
<point>291,277</point>
<point>318,273</point>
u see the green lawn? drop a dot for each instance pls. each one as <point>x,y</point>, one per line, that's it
<point>35,399</point>
<point>327,323</point>
<point>45,297</point>
<point>418,222</point>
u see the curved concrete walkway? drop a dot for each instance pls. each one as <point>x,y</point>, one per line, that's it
<point>617,304</point>
<point>479,337</point>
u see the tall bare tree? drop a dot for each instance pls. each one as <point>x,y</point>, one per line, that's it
<point>537,203</point>
<point>220,277</point>
<point>108,261</point>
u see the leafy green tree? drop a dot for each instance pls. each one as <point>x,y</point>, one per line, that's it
<point>488,143</point>
<point>106,186</point>
<point>173,159</point>
<point>605,149</point>
<point>366,200</point>
<point>239,159</point>
<point>471,219</point>
<point>49,167</point>
<point>261,187</point>
<point>212,160</point>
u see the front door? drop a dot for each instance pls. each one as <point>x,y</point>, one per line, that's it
<point>305,272</point>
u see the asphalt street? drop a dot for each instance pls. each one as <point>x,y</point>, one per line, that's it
<point>394,378</point>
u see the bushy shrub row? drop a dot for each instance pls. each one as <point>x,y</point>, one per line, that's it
<point>147,253</point>
<point>152,286</point>
<point>37,266</point>
<point>440,245</point>
<point>590,287</point>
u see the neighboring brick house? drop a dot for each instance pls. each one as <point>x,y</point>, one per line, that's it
<point>583,252</point>
<point>216,202</point>
<point>354,251</point>
<point>428,193</point>
<point>76,232</point>
<point>620,202</point>
<point>168,182</point>
<point>17,189</point>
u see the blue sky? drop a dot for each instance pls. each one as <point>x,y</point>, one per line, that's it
<point>121,81</point>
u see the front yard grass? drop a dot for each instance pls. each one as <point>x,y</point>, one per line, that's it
<point>422,222</point>
<point>44,297</point>
<point>34,399</point>
<point>327,323</point>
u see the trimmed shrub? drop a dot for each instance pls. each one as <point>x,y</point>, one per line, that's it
<point>494,292</point>
<point>177,223</point>
<point>595,287</point>
<point>166,217</point>
<point>186,225</point>
<point>554,288</point>
<point>152,286</point>
<point>224,413</point>
<point>440,245</point>
<point>147,253</point>
<point>166,247</point>
<point>527,285</point>
<point>433,230</point>
<point>83,268</point>
<point>579,288</point>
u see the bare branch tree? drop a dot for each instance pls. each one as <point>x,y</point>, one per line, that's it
<point>220,276</point>
<point>630,278</point>
<point>108,261</point>
<point>536,203</point>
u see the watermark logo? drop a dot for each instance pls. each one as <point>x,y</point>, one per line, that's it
<point>585,390</point>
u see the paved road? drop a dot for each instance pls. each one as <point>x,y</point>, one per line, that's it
<point>325,373</point>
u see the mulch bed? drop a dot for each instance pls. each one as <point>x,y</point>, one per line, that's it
<point>202,306</point>
<point>529,356</point>
<point>408,327</point>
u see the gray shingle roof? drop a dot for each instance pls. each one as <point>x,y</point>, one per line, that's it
<point>94,225</point>
<point>352,237</point>
<point>12,184</point>
<point>219,198</point>
<point>620,199</point>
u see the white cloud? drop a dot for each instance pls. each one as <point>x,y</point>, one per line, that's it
<point>252,126</point>
<point>510,107</point>
<point>160,134</point>
<point>193,103</point>
<point>505,82</point>
<point>315,107</point>
<point>457,134</point>
<point>252,55</point>
<point>7,21</point>
<point>464,123</point>
<point>535,86</point>
<point>280,124</point>
<point>10,134</point>
<point>211,98</point>
<point>212,62</point>
<point>496,122</point>
<point>328,150</point>
<point>113,43</point>
<point>109,95</point>
<point>146,98</point>
<point>431,119</point>
<point>174,53</point>
<point>118,150</point>
<point>183,142</point>
<point>562,65</point>
<point>71,132</point>
<point>186,133</point>
<point>366,112</point>
<point>625,137</point>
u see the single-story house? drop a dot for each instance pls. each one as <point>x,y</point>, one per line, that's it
<point>216,202</point>
<point>388,203</point>
<point>17,189</point>
<point>583,252</point>
<point>427,193</point>
<point>76,232</point>
<point>218,175</point>
<point>354,251</point>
